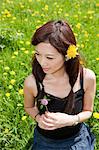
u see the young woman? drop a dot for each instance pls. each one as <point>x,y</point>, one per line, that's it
<point>60,92</point>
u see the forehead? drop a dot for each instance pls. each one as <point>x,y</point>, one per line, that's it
<point>46,48</point>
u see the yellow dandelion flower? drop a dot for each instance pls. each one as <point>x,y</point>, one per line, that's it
<point>36,12</point>
<point>38,21</point>
<point>5,73</point>
<point>33,14</point>
<point>6,130</point>
<point>3,4</point>
<point>7,94</point>
<point>96,115</point>
<point>85,16</point>
<point>33,52</point>
<point>22,6</point>
<point>12,21</point>
<point>76,16</point>
<point>57,6</point>
<point>90,12</point>
<point>66,15</point>
<point>30,0</point>
<point>72,51</point>
<point>78,45</point>
<point>12,81</point>
<point>12,72</point>
<point>97,4</point>
<point>6,68</point>
<point>46,7</point>
<point>97,35</point>
<point>90,17</point>
<point>16,53</point>
<point>26,52</point>
<point>14,18</point>
<point>6,13</point>
<point>78,25</point>
<point>97,58</point>
<point>82,45</point>
<point>21,42</point>
<point>55,3</point>
<point>86,34</point>
<point>7,1</point>
<point>10,87</point>
<point>19,104</point>
<point>26,19</point>
<point>24,117</point>
<point>75,34</point>
<point>27,42</point>
<point>18,33</point>
<point>37,27</point>
<point>59,12</point>
<point>1,61</point>
<point>21,91</point>
<point>60,9</point>
<point>42,15</point>
<point>13,57</point>
<point>22,48</point>
<point>22,64</point>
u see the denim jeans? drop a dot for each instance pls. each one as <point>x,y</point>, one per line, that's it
<point>84,140</point>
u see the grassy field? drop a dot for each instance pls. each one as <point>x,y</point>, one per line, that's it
<point>18,21</point>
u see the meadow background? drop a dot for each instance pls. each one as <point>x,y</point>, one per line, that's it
<point>18,21</point>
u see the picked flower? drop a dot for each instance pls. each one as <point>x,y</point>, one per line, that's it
<point>44,102</point>
<point>71,52</point>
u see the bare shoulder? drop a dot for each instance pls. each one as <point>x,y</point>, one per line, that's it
<point>30,84</point>
<point>89,78</point>
<point>89,74</point>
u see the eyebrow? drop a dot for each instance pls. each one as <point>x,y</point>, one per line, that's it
<point>46,54</point>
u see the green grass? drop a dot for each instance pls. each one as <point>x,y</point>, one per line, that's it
<point>16,30</point>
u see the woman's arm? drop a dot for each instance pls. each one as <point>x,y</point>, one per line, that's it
<point>90,90</point>
<point>29,94</point>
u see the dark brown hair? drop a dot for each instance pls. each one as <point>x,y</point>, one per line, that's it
<point>59,35</point>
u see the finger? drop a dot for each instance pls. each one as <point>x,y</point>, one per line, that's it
<point>50,115</point>
<point>52,128</point>
<point>48,120</point>
<point>47,124</point>
<point>46,127</point>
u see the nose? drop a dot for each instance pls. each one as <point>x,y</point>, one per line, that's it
<point>43,62</point>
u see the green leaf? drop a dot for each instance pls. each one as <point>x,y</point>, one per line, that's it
<point>41,107</point>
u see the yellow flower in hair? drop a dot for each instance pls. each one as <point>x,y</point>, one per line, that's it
<point>71,52</point>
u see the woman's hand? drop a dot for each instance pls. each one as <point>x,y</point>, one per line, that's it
<point>51,121</point>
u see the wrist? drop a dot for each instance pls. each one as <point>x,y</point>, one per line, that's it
<point>37,116</point>
<point>76,120</point>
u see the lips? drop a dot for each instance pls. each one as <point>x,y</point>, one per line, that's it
<point>45,69</point>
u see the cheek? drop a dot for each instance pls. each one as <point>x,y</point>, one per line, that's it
<point>58,63</point>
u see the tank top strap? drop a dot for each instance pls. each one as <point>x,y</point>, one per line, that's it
<point>81,77</point>
<point>40,88</point>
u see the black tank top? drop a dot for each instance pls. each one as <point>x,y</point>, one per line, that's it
<point>57,104</point>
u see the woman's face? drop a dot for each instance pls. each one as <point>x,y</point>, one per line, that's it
<point>49,58</point>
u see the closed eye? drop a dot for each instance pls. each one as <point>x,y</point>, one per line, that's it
<point>46,57</point>
<point>36,54</point>
<point>49,58</point>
